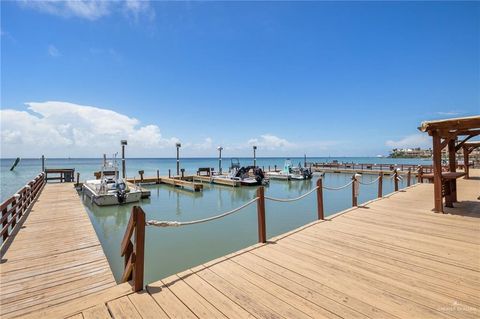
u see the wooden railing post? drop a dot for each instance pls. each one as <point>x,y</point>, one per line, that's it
<point>395,179</point>
<point>139,249</point>
<point>78,179</point>
<point>262,233</point>
<point>420,175</point>
<point>134,253</point>
<point>380,185</point>
<point>321,215</point>
<point>5,222</point>
<point>354,191</point>
<point>409,176</point>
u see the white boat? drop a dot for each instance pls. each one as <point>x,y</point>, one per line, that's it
<point>110,189</point>
<point>241,174</point>
<point>291,173</point>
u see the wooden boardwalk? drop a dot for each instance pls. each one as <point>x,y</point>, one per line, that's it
<point>54,258</point>
<point>391,258</point>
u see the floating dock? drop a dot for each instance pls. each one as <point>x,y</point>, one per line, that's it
<point>145,192</point>
<point>176,182</point>
<point>218,181</point>
<point>389,258</point>
<point>54,258</point>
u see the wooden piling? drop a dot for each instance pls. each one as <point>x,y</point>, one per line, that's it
<point>139,249</point>
<point>158,176</point>
<point>409,176</point>
<point>380,185</point>
<point>320,212</point>
<point>262,233</point>
<point>395,179</point>
<point>354,195</point>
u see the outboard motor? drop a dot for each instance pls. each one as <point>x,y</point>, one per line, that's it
<point>307,173</point>
<point>121,193</point>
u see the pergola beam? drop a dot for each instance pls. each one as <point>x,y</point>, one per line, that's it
<point>459,145</point>
<point>454,123</point>
<point>449,130</point>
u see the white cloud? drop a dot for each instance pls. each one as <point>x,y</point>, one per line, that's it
<point>270,142</point>
<point>53,51</point>
<point>135,8</point>
<point>414,140</point>
<point>87,9</point>
<point>207,144</point>
<point>449,113</point>
<point>91,9</point>
<point>67,129</point>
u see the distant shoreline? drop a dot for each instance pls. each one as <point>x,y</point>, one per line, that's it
<point>187,157</point>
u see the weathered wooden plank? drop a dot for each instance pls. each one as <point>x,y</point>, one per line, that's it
<point>146,306</point>
<point>215,297</point>
<point>55,258</point>
<point>97,312</point>
<point>122,308</point>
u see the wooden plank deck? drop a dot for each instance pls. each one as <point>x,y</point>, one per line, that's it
<point>54,258</point>
<point>389,258</point>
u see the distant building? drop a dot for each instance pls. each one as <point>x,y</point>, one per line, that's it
<point>411,153</point>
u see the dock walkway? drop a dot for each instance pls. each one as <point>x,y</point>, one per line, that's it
<point>389,258</point>
<point>54,258</point>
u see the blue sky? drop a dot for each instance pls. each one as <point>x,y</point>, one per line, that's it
<point>325,78</point>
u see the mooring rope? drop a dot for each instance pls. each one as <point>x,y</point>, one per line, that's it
<point>370,183</point>
<point>291,199</point>
<point>338,188</point>
<point>160,223</point>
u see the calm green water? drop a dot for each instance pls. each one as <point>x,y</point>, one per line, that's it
<point>170,250</point>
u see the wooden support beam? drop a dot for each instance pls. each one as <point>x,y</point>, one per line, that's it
<point>452,163</point>
<point>451,136</point>
<point>437,172</point>
<point>459,145</point>
<point>466,168</point>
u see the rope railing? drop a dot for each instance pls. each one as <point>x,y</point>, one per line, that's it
<point>370,183</point>
<point>157,223</point>
<point>285,200</point>
<point>133,251</point>
<point>338,188</point>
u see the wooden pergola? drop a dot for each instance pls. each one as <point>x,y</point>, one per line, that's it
<point>445,133</point>
<point>468,148</point>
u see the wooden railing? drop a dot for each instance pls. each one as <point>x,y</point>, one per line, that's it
<point>373,167</point>
<point>133,252</point>
<point>16,206</point>
<point>61,174</point>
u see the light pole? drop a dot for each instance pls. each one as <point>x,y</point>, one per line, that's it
<point>254,156</point>
<point>178,145</point>
<point>220,159</point>
<point>123,143</point>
